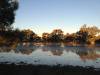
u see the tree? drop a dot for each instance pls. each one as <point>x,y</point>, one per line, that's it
<point>7,13</point>
<point>28,34</point>
<point>88,34</point>
<point>35,38</point>
<point>56,35</point>
<point>70,37</point>
<point>82,37</point>
<point>45,37</point>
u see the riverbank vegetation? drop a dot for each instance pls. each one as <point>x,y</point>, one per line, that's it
<point>86,35</point>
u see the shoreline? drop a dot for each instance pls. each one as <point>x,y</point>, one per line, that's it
<point>23,69</point>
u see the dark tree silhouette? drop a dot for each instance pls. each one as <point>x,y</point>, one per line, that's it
<point>70,37</point>
<point>45,37</point>
<point>7,13</point>
<point>82,36</point>
<point>56,35</point>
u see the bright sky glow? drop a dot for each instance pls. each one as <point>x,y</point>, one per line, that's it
<point>46,15</point>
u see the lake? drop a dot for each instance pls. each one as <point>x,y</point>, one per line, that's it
<point>51,54</point>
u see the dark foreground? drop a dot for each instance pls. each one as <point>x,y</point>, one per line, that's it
<point>12,69</point>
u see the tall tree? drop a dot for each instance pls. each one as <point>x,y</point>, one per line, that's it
<point>7,13</point>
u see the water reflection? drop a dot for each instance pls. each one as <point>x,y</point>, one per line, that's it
<point>26,48</point>
<point>85,52</point>
<point>55,49</point>
<point>55,53</point>
<point>5,49</point>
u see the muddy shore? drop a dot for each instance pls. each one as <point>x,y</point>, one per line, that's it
<point>12,69</point>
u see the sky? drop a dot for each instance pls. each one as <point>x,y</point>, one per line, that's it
<point>47,15</point>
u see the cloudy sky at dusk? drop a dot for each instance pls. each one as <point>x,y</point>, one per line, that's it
<point>46,15</point>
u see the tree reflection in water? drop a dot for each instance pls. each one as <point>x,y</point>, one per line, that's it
<point>26,48</point>
<point>55,49</point>
<point>84,52</point>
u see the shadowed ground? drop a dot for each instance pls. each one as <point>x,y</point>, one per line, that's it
<point>12,69</point>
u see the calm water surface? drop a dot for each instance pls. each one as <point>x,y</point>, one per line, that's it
<point>52,54</point>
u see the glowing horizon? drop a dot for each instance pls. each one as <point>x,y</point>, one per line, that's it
<point>46,15</point>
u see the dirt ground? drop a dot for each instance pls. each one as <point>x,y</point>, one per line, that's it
<point>12,69</point>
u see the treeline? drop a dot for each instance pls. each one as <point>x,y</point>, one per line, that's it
<point>86,35</point>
